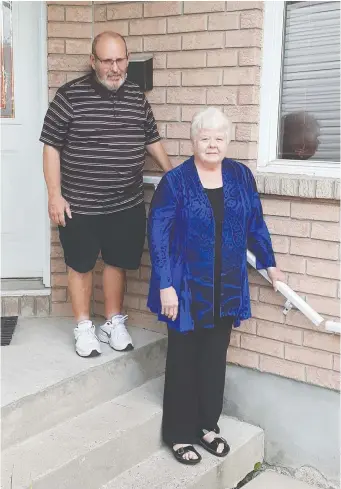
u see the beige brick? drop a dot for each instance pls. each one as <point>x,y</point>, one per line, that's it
<point>207,77</point>
<point>316,212</point>
<point>323,268</point>
<point>166,78</point>
<point>135,45</point>
<point>247,132</point>
<point>73,75</point>
<point>296,318</point>
<point>272,184</point>
<point>176,160</point>
<point>307,188</point>
<point>282,367</point>
<point>222,96</point>
<point>131,302</point>
<point>327,231</point>
<point>254,292</point>
<point>147,27</point>
<point>289,263</point>
<point>178,130</point>
<point>242,151</point>
<point>203,40</point>
<point>61,309</point>
<point>27,306</point>
<point>77,30</point>
<point>196,7</point>
<point>67,2</point>
<point>55,13</point>
<point>10,306</point>
<point>186,60</point>
<point>42,306</point>
<point>268,312</point>
<point>157,96</point>
<point>186,96</point>
<point>63,62</point>
<point>120,26</point>
<point>248,95</point>
<point>336,363</point>
<point>325,189</point>
<point>322,341</point>
<point>276,207</point>
<point>56,79</point>
<point>308,356</point>
<point>269,296</point>
<point>59,280</point>
<point>188,111</point>
<point>56,46</point>
<point>79,14</point>
<point>251,19</point>
<point>324,378</point>
<point>162,43</point>
<point>56,251</point>
<point>59,294</point>
<point>75,46</point>
<point>287,227</point>
<point>222,58</point>
<point>235,338</point>
<point>98,295</point>
<point>162,9</point>
<point>147,321</point>
<point>243,357</point>
<point>100,13</point>
<point>133,274</point>
<point>223,22</point>
<point>247,75</point>
<point>249,326</point>
<point>125,10</point>
<point>241,5</point>
<point>166,112</point>
<point>325,305</point>
<point>145,273</point>
<point>314,248</point>
<point>262,345</point>
<point>279,333</point>
<point>98,309</point>
<point>187,23</point>
<point>249,57</point>
<point>58,265</point>
<point>313,285</point>
<point>243,38</point>
<point>257,279</point>
<point>145,259</point>
<point>186,148</point>
<point>52,93</point>
<point>159,60</point>
<point>171,147</point>
<point>245,113</point>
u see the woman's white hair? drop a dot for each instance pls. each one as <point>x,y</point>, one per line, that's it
<point>211,118</point>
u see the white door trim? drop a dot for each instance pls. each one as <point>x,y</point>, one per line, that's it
<point>44,106</point>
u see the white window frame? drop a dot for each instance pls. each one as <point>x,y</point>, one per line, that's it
<point>270,92</point>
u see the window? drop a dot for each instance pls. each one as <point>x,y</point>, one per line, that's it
<point>300,89</point>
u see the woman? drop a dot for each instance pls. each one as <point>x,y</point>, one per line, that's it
<point>204,216</point>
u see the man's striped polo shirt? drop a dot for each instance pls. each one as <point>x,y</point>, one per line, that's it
<point>101,135</point>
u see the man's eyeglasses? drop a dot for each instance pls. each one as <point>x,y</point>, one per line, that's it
<point>108,63</point>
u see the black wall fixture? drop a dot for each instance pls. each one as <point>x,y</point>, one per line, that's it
<point>140,71</point>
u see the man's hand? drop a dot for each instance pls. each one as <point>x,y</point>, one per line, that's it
<point>57,208</point>
<point>169,303</point>
<point>275,274</point>
<point>159,155</point>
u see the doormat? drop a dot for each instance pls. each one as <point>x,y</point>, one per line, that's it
<point>8,325</point>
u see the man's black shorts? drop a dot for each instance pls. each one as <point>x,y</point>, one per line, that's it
<point>118,236</point>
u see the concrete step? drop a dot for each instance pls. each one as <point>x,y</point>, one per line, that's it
<point>45,383</point>
<point>273,480</point>
<point>161,470</point>
<point>92,448</point>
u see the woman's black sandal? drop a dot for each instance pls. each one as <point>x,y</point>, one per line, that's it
<point>213,446</point>
<point>180,452</point>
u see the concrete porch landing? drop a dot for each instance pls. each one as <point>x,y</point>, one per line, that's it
<point>42,354</point>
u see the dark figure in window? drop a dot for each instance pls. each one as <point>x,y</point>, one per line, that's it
<point>299,136</point>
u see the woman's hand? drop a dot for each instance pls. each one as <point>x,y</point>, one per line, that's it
<point>275,274</point>
<point>169,303</point>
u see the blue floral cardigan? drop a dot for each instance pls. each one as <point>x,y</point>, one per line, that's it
<point>181,233</point>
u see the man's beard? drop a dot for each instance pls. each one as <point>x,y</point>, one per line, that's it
<point>110,87</point>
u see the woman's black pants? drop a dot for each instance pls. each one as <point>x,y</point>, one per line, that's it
<point>194,381</point>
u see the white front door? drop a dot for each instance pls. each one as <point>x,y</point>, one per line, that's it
<point>23,207</point>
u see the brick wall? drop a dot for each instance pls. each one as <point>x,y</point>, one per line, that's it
<point>209,53</point>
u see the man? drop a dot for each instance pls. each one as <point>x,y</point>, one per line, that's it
<point>300,133</point>
<point>96,131</point>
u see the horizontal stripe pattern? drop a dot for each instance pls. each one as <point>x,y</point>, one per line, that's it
<point>102,136</point>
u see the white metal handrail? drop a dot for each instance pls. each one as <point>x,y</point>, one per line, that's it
<point>293,299</point>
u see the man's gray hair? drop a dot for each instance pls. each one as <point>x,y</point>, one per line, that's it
<point>211,118</point>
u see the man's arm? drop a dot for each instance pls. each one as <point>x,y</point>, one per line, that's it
<point>57,204</point>
<point>158,153</point>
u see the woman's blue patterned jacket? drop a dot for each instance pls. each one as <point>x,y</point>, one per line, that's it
<point>181,233</point>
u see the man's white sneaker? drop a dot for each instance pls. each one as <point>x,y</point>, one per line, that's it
<point>87,344</point>
<point>115,333</point>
